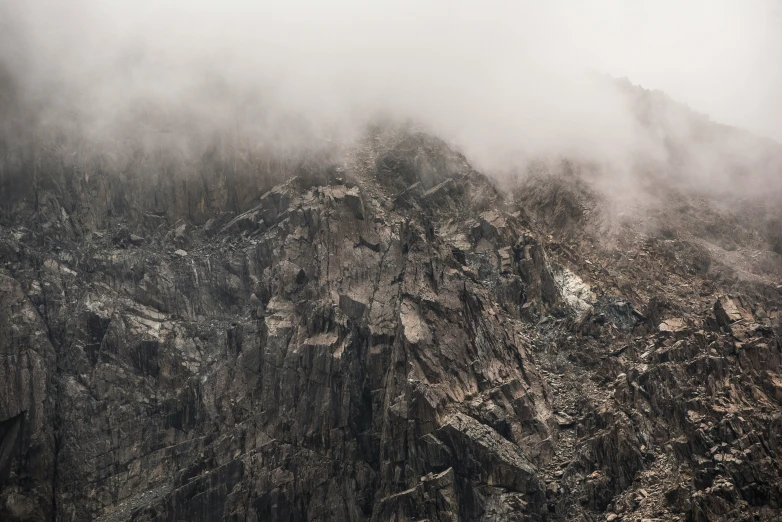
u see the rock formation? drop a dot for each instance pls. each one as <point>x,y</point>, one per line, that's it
<point>386,338</point>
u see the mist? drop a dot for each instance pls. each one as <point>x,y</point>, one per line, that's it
<point>502,81</point>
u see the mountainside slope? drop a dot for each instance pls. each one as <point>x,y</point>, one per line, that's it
<point>388,337</point>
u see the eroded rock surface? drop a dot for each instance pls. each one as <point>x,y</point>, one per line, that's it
<point>389,339</point>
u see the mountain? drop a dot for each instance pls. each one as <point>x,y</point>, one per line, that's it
<point>384,333</point>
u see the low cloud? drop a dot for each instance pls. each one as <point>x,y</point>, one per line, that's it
<point>503,81</point>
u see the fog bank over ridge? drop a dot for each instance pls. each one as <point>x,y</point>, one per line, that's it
<point>504,82</point>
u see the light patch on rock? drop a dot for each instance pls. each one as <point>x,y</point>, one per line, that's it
<point>576,293</point>
<point>326,340</point>
<point>54,266</point>
<point>279,319</point>
<point>673,325</point>
<point>415,328</point>
<point>143,326</point>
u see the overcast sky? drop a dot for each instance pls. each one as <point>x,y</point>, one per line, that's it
<point>490,72</point>
<point>722,57</point>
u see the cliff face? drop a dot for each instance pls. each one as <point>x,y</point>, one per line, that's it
<point>391,337</point>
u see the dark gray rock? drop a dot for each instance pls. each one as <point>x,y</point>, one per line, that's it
<point>403,345</point>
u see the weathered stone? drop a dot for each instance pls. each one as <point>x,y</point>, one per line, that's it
<point>355,203</point>
<point>672,326</point>
<point>324,350</point>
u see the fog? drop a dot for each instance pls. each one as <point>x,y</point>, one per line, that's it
<point>503,81</point>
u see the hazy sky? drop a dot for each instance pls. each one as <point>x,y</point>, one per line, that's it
<point>722,57</point>
<point>490,73</point>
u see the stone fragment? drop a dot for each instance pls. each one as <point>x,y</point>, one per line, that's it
<point>673,325</point>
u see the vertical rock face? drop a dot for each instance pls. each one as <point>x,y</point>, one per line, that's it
<point>27,405</point>
<point>399,343</point>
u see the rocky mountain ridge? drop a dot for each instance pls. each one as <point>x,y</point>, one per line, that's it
<point>380,335</point>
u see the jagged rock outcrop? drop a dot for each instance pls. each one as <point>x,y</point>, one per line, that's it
<point>388,339</point>
<point>27,405</point>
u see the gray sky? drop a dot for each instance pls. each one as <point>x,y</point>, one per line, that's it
<point>721,57</point>
<point>492,75</point>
